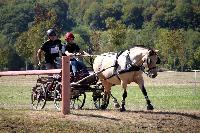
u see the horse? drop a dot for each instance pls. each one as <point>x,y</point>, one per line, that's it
<point>125,67</point>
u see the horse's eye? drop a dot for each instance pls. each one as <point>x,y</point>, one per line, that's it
<point>158,61</point>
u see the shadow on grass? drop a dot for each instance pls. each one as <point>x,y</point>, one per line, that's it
<point>96,116</point>
<point>193,116</point>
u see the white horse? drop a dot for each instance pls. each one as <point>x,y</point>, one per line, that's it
<point>124,68</point>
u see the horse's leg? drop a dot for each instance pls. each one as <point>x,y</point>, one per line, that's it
<point>116,104</point>
<point>144,92</point>
<point>149,105</point>
<point>124,86</point>
<point>107,92</point>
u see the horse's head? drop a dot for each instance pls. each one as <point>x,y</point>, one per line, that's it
<point>150,61</point>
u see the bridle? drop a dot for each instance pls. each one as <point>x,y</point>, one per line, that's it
<point>148,61</point>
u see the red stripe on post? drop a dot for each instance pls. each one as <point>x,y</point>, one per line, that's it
<point>29,72</point>
<point>66,85</point>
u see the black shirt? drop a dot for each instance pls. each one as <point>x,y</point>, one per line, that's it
<point>72,48</point>
<point>51,49</point>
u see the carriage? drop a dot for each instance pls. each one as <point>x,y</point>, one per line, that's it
<point>110,69</point>
<point>49,89</point>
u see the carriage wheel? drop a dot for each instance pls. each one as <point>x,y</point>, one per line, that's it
<point>101,100</point>
<point>98,99</point>
<point>77,102</point>
<point>98,102</point>
<point>58,96</point>
<point>38,97</point>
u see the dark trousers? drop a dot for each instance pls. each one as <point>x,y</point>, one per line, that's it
<point>78,66</point>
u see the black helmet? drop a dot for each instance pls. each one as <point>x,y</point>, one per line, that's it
<point>51,32</point>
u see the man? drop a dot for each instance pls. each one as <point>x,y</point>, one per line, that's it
<point>51,49</point>
<point>72,49</point>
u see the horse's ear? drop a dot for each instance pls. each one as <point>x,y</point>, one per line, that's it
<point>153,51</point>
<point>156,50</point>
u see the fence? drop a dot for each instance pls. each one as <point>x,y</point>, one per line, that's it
<point>65,80</point>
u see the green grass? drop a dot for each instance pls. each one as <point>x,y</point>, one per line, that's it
<point>183,98</point>
<point>162,97</point>
<point>15,95</point>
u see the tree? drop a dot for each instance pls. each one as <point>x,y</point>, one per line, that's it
<point>92,16</point>
<point>193,43</point>
<point>172,45</point>
<point>15,18</point>
<point>112,9</point>
<point>95,37</point>
<point>133,15</point>
<point>115,36</point>
<point>197,58</point>
<point>148,35</point>
<point>3,51</point>
<point>30,41</point>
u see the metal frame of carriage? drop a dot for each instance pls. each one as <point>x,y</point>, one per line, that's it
<point>49,89</point>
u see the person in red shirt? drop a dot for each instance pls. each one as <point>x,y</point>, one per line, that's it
<point>73,50</point>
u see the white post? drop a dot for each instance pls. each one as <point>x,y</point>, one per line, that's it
<point>195,80</point>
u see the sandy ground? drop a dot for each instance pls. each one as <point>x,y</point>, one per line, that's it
<point>134,121</point>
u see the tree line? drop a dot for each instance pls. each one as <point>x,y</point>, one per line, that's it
<point>100,26</point>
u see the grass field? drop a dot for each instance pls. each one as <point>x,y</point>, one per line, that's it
<point>174,96</point>
<point>167,91</point>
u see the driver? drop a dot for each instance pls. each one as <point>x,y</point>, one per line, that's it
<point>51,49</point>
<point>72,49</point>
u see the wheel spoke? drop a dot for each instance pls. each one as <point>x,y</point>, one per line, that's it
<point>78,101</point>
<point>38,97</point>
<point>58,97</point>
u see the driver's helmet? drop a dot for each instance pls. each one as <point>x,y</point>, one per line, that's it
<point>51,32</point>
<point>69,36</point>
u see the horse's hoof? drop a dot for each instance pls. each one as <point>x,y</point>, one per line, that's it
<point>122,109</point>
<point>103,107</point>
<point>150,107</point>
<point>117,105</point>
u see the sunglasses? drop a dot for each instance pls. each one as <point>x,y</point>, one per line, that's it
<point>53,34</point>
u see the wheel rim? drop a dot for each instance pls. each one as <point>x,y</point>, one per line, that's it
<point>58,97</point>
<point>98,102</point>
<point>78,101</point>
<point>38,97</point>
<point>100,99</point>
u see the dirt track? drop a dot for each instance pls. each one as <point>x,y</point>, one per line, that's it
<point>110,120</point>
<point>132,121</point>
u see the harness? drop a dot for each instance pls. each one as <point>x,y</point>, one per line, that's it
<point>129,67</point>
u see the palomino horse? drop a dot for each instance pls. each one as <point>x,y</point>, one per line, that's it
<point>126,67</point>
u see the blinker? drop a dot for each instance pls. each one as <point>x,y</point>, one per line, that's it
<point>158,61</point>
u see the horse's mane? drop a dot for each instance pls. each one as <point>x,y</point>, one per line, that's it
<point>131,47</point>
<point>141,46</point>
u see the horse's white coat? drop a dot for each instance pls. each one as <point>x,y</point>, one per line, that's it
<point>135,56</point>
<point>138,55</point>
